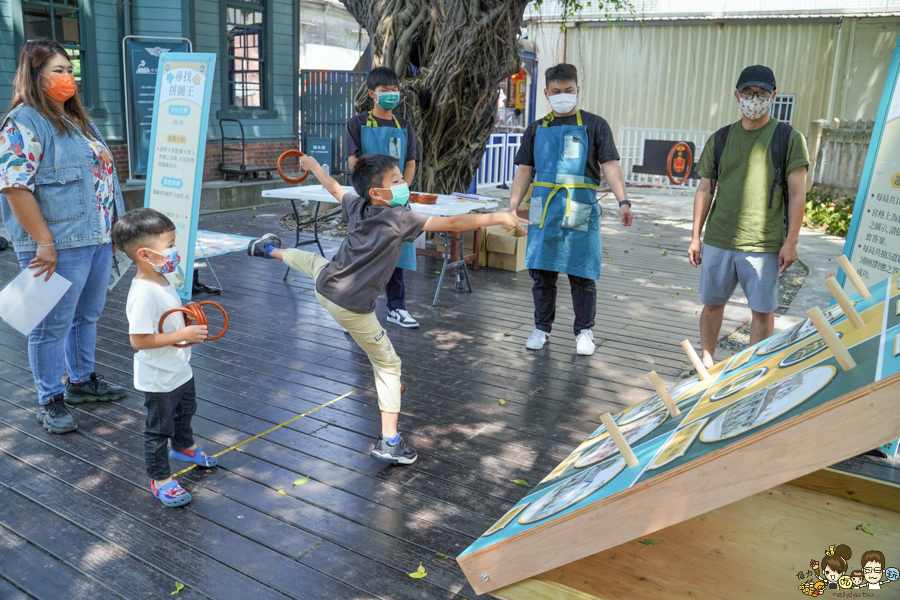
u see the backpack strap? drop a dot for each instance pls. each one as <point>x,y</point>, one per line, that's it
<point>721,136</point>
<point>779,160</point>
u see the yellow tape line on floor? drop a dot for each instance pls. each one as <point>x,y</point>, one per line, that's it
<point>309,412</point>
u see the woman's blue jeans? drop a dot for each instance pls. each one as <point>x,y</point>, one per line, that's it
<point>68,335</point>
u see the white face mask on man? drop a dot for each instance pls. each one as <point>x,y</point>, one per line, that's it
<point>563,103</point>
<point>755,107</point>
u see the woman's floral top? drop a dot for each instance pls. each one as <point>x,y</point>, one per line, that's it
<point>20,156</point>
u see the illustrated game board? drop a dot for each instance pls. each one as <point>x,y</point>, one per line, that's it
<point>785,376</point>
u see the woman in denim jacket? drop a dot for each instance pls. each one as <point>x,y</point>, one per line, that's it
<point>59,197</point>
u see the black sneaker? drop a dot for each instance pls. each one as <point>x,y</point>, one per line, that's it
<point>258,247</point>
<point>55,417</point>
<point>399,454</point>
<point>94,389</point>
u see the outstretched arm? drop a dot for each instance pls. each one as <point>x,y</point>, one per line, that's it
<point>467,222</point>
<point>308,163</point>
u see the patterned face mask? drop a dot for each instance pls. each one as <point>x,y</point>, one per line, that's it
<point>754,108</point>
<point>172,259</point>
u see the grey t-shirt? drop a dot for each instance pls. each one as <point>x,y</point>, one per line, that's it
<point>366,259</point>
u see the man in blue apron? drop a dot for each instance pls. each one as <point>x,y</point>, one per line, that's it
<point>380,132</point>
<point>564,154</point>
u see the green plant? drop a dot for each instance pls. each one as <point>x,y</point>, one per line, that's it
<point>832,214</point>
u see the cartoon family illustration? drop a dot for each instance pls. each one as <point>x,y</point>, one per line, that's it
<point>832,572</point>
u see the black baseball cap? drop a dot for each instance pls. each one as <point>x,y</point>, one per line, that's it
<point>757,76</point>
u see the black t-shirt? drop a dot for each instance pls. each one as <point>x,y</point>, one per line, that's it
<point>364,263</point>
<point>602,148</point>
<point>354,136</point>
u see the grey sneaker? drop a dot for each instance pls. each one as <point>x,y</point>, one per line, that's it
<point>260,247</point>
<point>402,318</point>
<point>399,454</point>
<point>94,389</point>
<point>55,417</point>
<point>537,339</point>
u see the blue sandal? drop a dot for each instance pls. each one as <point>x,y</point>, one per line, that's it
<point>196,456</point>
<point>171,494</point>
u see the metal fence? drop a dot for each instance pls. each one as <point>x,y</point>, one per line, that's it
<point>631,153</point>
<point>326,104</point>
<point>498,163</point>
<point>837,152</point>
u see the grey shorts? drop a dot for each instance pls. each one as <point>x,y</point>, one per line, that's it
<point>723,270</point>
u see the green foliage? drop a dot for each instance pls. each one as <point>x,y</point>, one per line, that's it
<point>832,214</point>
<point>571,9</point>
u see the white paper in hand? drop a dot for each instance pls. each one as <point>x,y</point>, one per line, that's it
<point>27,299</point>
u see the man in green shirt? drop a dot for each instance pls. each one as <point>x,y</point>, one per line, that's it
<point>745,240</point>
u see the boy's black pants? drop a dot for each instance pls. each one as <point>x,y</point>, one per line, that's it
<point>169,416</point>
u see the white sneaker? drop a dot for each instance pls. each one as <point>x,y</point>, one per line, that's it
<point>584,342</point>
<point>537,339</point>
<point>401,317</point>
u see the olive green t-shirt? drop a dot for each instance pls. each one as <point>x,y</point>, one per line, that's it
<point>740,218</point>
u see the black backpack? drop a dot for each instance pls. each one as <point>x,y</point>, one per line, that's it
<point>779,159</point>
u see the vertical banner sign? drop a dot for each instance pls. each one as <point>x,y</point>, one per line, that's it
<point>175,174</point>
<point>143,62</point>
<point>873,240</point>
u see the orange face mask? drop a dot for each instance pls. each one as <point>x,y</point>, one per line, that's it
<point>62,87</point>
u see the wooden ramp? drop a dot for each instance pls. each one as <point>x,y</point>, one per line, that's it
<point>77,520</point>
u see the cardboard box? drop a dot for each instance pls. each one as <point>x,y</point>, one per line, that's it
<point>505,249</point>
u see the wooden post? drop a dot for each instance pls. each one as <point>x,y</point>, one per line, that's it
<point>841,296</point>
<point>663,393</point>
<point>841,354</point>
<point>619,439</point>
<point>814,138</point>
<point>854,277</point>
<point>698,364</point>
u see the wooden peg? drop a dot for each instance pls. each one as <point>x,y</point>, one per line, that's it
<point>837,347</point>
<point>619,439</point>
<point>854,277</point>
<point>844,300</point>
<point>692,354</point>
<point>663,393</point>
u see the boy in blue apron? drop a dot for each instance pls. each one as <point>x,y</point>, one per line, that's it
<point>380,132</point>
<point>570,148</point>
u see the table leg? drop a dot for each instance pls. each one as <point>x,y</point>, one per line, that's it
<point>452,260</point>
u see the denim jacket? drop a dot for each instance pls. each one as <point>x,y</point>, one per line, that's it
<point>64,187</point>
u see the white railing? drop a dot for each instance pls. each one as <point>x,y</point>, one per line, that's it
<point>498,163</point>
<point>631,152</point>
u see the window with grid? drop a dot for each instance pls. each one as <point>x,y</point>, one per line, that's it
<point>59,20</point>
<point>782,108</point>
<point>245,32</point>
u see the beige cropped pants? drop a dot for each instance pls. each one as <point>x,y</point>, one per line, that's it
<point>365,329</point>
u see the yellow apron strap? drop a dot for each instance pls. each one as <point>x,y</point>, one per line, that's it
<point>371,122</point>
<point>547,119</point>
<point>578,117</point>
<point>555,188</point>
<point>396,122</point>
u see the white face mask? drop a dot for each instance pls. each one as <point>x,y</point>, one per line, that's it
<point>754,108</point>
<point>563,103</point>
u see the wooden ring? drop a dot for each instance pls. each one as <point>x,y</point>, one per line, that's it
<point>194,314</point>
<point>284,155</point>
<point>689,161</point>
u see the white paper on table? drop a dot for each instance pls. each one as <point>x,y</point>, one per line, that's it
<point>27,299</point>
<point>120,264</point>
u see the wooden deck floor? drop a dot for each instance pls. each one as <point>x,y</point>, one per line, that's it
<point>77,519</point>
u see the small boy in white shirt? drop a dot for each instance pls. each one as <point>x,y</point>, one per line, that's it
<point>162,371</point>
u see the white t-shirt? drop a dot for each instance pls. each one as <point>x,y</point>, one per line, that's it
<point>160,369</point>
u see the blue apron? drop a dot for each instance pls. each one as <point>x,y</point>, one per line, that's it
<point>390,141</point>
<point>564,235</point>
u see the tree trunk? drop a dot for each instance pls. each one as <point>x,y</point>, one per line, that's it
<point>462,49</point>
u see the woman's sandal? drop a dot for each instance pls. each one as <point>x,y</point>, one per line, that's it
<point>171,494</point>
<point>196,456</point>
